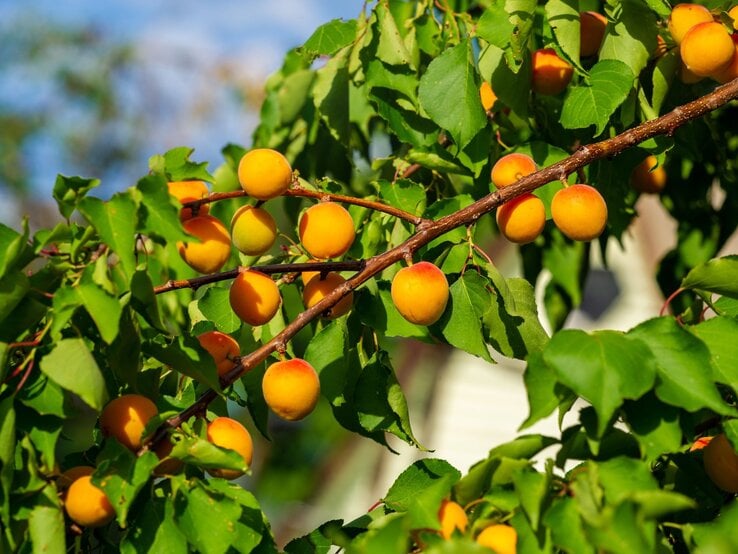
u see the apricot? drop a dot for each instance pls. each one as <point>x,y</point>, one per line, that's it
<point>167,465</point>
<point>306,276</point>
<point>700,443</point>
<point>733,14</point>
<point>125,419</point>
<point>502,539</point>
<point>87,505</point>
<point>591,32</point>
<point>254,297</point>
<point>510,168</point>
<point>648,176</point>
<point>707,49</point>
<point>579,211</point>
<point>686,76</point>
<point>65,480</point>
<point>420,293</point>
<point>487,96</point>
<point>522,219</point>
<point>212,252</point>
<point>685,16</point>
<point>551,74</point>
<point>730,72</point>
<point>317,289</point>
<point>264,173</point>
<point>223,348</point>
<point>253,230</point>
<point>326,230</point>
<point>721,463</point>
<point>229,433</point>
<point>187,191</point>
<point>452,517</point>
<point>291,388</point>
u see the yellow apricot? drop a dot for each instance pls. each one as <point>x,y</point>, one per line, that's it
<point>452,517</point>
<point>685,16</point>
<point>733,13</point>
<point>65,480</point>
<point>510,168</point>
<point>647,177</point>
<point>253,230</point>
<point>223,348</point>
<point>686,76</point>
<point>502,539</point>
<point>326,230</point>
<point>291,388</point>
<point>306,276</point>
<point>187,191</point>
<point>487,96</point>
<point>125,419</point>
<point>579,211</point>
<point>264,173</point>
<point>730,72</point>
<point>254,297</point>
<point>591,32</point>
<point>721,463</point>
<point>522,219</point>
<point>212,252</point>
<point>317,289</point>
<point>229,433</point>
<point>551,74</point>
<point>707,49</point>
<point>420,293</point>
<point>87,505</point>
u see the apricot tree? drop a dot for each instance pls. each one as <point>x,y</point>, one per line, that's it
<point>131,329</point>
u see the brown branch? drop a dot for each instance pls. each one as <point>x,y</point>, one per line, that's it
<point>429,230</point>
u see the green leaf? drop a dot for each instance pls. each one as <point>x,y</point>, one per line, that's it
<point>251,528</point>
<point>545,393</point>
<point>330,37</point>
<point>43,395</point>
<point>15,251</point>
<point>719,334</point>
<point>318,540</point>
<point>604,368</point>
<point>421,475</point>
<point>46,523</point>
<point>215,305</point>
<point>7,454</point>
<point>683,366</point>
<point>184,354</point>
<point>115,222</point>
<point>68,191</point>
<point>175,165</point>
<point>13,288</point>
<point>158,213</point>
<point>143,299</point>
<point>203,453</point>
<point>494,26</point>
<point>104,309</point>
<point>154,530</point>
<point>632,37</point>
<point>461,324</point>
<point>70,364</point>
<point>594,102</point>
<point>378,312</point>
<point>403,194</point>
<point>449,93</point>
<point>655,425</point>
<point>718,276</point>
<point>532,488</point>
<point>330,96</point>
<point>563,16</point>
<point>390,47</point>
<point>565,523</point>
<point>663,75</point>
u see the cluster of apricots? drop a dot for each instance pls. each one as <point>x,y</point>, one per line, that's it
<point>498,537</point>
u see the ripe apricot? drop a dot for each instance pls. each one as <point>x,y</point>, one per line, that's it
<point>125,419</point>
<point>187,191</point>
<point>452,517</point>
<point>551,74</point>
<point>487,96</point>
<point>229,433</point>
<point>223,348</point>
<point>591,32</point>
<point>291,388</point>
<point>707,49</point>
<point>254,297</point>
<point>306,276</point>
<point>647,177</point>
<point>326,230</point>
<point>579,211</point>
<point>264,173</point>
<point>317,288</point>
<point>502,539</point>
<point>730,72</point>
<point>522,219</point>
<point>733,14</point>
<point>685,16</point>
<point>87,505</point>
<point>253,230</point>
<point>212,252</point>
<point>65,480</point>
<point>510,168</point>
<point>420,293</point>
<point>721,463</point>
<point>686,76</point>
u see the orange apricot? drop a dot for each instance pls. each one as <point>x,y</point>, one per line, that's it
<point>254,297</point>
<point>187,191</point>
<point>212,252</point>
<point>502,539</point>
<point>551,74</point>
<point>291,388</point>
<point>65,480</point>
<point>487,96</point>
<point>707,49</point>
<point>685,16</point>
<point>591,32</point>
<point>229,433</point>
<point>223,348</point>
<point>521,220</point>
<point>648,176</point>
<point>317,288</point>
<point>125,418</point>
<point>686,76</point>
<point>731,70</point>
<point>420,293</point>
<point>721,463</point>
<point>326,230</point>
<point>733,14</point>
<point>579,211</point>
<point>700,443</point>
<point>510,168</point>
<point>452,517</point>
<point>253,230</point>
<point>87,505</point>
<point>264,173</point>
